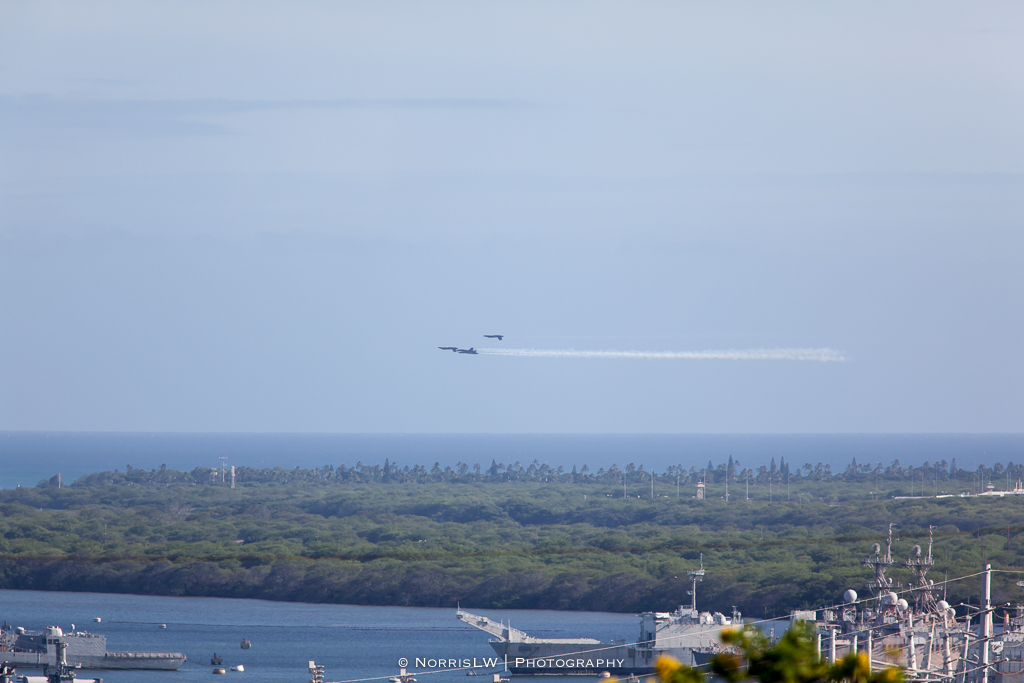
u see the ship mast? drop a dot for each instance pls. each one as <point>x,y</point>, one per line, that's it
<point>880,564</point>
<point>695,576</point>
<point>923,591</point>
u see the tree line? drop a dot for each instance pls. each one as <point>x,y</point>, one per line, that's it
<point>940,472</point>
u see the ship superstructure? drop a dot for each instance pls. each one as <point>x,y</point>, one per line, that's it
<point>928,640</point>
<point>26,649</point>
<point>922,635</point>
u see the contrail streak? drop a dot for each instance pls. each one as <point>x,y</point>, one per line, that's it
<point>819,355</point>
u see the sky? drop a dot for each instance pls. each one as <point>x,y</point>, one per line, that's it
<point>266,216</point>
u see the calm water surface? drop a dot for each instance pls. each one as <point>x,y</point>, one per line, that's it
<point>352,642</point>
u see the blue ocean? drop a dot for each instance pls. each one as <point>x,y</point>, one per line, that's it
<point>28,457</point>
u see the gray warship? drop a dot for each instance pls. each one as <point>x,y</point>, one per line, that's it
<point>25,649</point>
<point>923,635</point>
<point>688,635</point>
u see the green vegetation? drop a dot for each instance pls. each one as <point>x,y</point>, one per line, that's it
<point>503,537</point>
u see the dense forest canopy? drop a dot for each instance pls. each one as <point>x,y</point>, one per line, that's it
<point>942,476</point>
<point>510,536</point>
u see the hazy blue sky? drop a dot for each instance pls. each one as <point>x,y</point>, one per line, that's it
<point>267,216</point>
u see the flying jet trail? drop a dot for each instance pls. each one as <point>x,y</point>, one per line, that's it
<point>819,355</point>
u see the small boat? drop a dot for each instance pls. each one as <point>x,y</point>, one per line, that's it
<point>246,644</point>
<point>219,671</point>
<point>605,674</point>
<point>97,619</point>
<point>163,625</point>
<point>238,667</point>
<point>471,673</point>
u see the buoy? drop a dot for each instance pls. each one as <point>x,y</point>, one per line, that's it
<point>163,625</point>
<point>238,667</point>
<point>97,619</point>
<point>605,674</point>
<point>219,671</point>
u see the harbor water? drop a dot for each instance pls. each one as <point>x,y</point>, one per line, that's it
<point>352,642</point>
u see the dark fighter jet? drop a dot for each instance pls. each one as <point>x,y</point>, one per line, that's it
<point>469,350</point>
<point>499,337</point>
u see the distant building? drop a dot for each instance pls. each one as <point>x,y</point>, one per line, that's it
<point>700,490</point>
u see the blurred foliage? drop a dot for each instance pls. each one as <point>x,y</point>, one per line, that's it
<point>563,543</point>
<point>793,659</point>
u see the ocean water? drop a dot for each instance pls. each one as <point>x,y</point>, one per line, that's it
<point>352,642</point>
<point>28,457</point>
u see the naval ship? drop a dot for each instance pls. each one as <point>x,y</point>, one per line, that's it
<point>25,649</point>
<point>686,634</point>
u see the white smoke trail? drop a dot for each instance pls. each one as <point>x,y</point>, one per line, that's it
<point>819,355</point>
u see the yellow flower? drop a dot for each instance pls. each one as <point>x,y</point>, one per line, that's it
<point>890,674</point>
<point>666,666</point>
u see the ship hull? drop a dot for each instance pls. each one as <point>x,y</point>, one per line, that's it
<point>112,661</point>
<point>82,650</point>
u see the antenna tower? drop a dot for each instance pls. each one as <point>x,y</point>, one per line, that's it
<point>880,563</point>
<point>695,576</point>
<point>923,591</point>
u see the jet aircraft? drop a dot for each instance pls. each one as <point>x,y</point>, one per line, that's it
<point>469,350</point>
<point>494,336</point>
<point>453,349</point>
